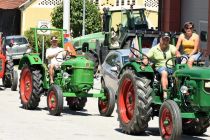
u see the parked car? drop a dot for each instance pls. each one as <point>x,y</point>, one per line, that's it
<point>111,67</point>
<point>16,46</point>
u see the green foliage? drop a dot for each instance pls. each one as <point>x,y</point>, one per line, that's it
<point>92,18</point>
<point>30,35</point>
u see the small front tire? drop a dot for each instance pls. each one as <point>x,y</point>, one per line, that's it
<point>106,106</point>
<point>170,122</point>
<point>55,100</point>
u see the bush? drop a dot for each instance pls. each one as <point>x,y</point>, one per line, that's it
<point>30,35</point>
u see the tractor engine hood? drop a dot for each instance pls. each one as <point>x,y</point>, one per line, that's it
<point>194,73</point>
<point>79,62</point>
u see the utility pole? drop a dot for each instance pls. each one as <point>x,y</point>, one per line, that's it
<point>83,23</point>
<point>66,15</point>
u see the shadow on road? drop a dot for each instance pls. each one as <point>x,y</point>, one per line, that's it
<point>2,87</point>
<point>67,111</point>
<point>154,131</point>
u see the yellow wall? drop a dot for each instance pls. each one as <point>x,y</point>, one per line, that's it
<point>32,15</point>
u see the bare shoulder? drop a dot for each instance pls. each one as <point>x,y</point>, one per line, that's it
<point>181,36</point>
<point>195,35</point>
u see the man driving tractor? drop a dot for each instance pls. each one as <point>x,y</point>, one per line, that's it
<point>52,54</point>
<point>160,54</point>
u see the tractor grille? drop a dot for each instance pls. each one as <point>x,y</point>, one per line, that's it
<point>207,86</point>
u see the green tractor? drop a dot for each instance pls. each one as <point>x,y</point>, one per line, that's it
<point>139,97</point>
<point>115,33</point>
<point>73,80</point>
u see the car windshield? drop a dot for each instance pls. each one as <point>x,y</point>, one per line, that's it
<point>18,41</point>
<point>125,59</point>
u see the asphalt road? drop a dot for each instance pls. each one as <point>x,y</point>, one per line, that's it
<point>17,123</point>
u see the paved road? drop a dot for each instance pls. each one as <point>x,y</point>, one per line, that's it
<point>19,124</point>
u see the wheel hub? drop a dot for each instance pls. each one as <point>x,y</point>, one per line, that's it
<point>127,100</point>
<point>166,123</point>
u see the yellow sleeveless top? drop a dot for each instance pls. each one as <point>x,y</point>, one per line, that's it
<point>188,46</point>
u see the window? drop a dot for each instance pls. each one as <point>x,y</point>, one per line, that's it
<point>50,2</point>
<point>125,59</point>
<point>122,2</point>
<point>117,2</point>
<point>19,41</point>
<point>112,59</point>
<point>128,2</point>
<point>96,2</point>
<point>134,2</point>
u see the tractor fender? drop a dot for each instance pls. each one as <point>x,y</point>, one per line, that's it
<point>138,69</point>
<point>31,59</point>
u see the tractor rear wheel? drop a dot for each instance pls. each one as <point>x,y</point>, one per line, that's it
<point>134,102</point>
<point>14,80</point>
<point>8,75</point>
<point>76,103</point>
<point>30,87</point>
<point>55,100</point>
<point>106,106</point>
<point>195,126</point>
<point>170,122</point>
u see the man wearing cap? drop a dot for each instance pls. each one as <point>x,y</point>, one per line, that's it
<point>53,54</point>
<point>160,54</point>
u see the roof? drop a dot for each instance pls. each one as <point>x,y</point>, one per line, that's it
<point>11,4</point>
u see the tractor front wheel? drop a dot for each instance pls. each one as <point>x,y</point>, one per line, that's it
<point>76,103</point>
<point>30,87</point>
<point>55,100</point>
<point>134,102</point>
<point>170,122</point>
<point>106,106</point>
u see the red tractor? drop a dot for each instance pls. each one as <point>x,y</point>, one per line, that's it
<point>7,73</point>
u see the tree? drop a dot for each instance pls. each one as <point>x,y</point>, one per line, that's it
<point>92,17</point>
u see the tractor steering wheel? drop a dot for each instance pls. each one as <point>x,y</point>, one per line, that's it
<point>176,60</point>
<point>136,55</point>
<point>66,57</point>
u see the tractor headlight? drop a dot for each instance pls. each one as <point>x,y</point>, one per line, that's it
<point>65,75</point>
<point>184,89</point>
<point>207,86</point>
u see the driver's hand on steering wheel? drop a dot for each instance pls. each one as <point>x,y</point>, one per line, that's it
<point>178,54</point>
<point>145,60</point>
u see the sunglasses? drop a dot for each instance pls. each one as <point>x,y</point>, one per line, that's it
<point>164,55</point>
<point>189,28</point>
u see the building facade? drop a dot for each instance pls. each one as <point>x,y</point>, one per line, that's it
<point>35,11</point>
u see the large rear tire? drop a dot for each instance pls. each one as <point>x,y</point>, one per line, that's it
<point>170,121</point>
<point>134,102</point>
<point>30,86</point>
<point>55,100</point>
<point>106,106</point>
<point>195,126</point>
<point>76,103</point>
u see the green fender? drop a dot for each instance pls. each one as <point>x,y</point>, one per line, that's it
<point>137,67</point>
<point>31,59</point>
<point>34,59</point>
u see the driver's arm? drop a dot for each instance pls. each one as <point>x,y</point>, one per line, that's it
<point>174,51</point>
<point>50,56</point>
<point>150,54</point>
